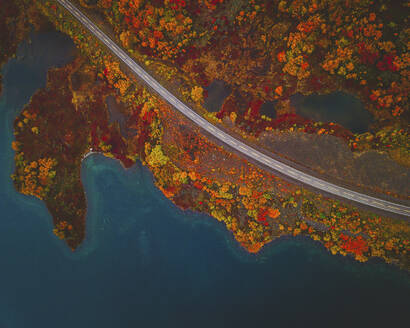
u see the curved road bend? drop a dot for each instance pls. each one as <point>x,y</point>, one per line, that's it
<point>241,147</point>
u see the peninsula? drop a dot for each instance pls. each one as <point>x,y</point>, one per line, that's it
<point>186,47</point>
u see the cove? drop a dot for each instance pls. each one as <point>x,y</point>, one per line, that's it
<point>145,263</point>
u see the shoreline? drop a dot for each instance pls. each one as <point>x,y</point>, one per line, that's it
<point>240,146</point>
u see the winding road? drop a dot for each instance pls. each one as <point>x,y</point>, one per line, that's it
<point>257,156</point>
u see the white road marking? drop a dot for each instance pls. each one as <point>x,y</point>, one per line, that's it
<point>229,140</point>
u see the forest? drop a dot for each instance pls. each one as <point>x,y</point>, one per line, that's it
<point>267,50</point>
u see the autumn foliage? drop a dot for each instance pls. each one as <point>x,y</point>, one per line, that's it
<point>197,41</point>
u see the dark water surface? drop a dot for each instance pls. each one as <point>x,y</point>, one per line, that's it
<point>337,107</point>
<point>147,264</point>
<point>268,109</point>
<point>217,92</point>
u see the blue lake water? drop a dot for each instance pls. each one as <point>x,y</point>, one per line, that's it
<point>146,263</point>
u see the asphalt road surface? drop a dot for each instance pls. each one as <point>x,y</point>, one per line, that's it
<point>284,169</point>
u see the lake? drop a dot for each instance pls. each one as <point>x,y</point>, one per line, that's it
<point>145,263</point>
<point>336,107</point>
<point>217,92</point>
